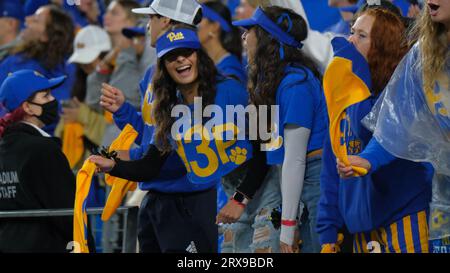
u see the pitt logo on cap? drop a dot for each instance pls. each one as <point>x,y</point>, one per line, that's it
<point>175,37</point>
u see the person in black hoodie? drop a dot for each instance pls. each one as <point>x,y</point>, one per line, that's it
<point>34,173</point>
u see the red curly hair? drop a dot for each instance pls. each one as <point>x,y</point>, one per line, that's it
<point>388,46</point>
<point>10,119</point>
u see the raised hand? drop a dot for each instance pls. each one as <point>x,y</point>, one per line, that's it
<point>104,165</point>
<point>356,161</point>
<point>112,98</point>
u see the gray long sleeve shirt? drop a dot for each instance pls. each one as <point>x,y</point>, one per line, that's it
<point>292,176</point>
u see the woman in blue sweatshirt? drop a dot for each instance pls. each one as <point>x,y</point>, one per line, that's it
<point>185,72</point>
<point>412,120</point>
<point>155,234</point>
<point>387,209</point>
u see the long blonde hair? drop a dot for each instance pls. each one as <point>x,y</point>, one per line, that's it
<point>432,37</point>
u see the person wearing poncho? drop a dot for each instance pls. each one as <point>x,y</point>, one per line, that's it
<point>412,121</point>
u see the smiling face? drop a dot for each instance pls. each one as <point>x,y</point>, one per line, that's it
<point>439,11</point>
<point>361,34</point>
<point>181,64</point>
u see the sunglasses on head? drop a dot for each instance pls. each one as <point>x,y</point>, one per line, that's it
<point>184,52</point>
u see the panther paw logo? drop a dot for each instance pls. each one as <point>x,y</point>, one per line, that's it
<point>238,155</point>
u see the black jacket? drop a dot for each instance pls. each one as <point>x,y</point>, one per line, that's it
<point>34,174</point>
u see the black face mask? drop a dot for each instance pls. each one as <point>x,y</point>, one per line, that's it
<point>49,112</point>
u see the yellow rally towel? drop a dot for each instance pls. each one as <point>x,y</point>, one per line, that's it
<point>120,187</point>
<point>84,178</point>
<point>72,142</point>
<point>328,248</point>
<point>108,117</point>
<point>346,82</point>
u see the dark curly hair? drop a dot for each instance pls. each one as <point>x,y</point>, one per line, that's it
<point>165,92</point>
<point>267,69</point>
<point>60,31</point>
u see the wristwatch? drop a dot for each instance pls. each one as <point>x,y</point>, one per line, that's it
<point>239,197</point>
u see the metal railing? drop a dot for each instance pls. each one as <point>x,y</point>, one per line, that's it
<point>129,230</point>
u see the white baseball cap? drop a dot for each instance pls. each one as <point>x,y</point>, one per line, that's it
<point>183,11</point>
<point>89,43</point>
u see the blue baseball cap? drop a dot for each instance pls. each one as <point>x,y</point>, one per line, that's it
<point>21,85</point>
<point>178,38</point>
<point>213,16</point>
<point>131,32</point>
<point>262,20</point>
<point>12,8</point>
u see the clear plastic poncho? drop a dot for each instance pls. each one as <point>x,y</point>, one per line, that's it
<point>414,124</point>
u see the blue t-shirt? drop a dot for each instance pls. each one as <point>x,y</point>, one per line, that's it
<point>210,159</point>
<point>172,178</point>
<point>301,102</point>
<point>231,66</point>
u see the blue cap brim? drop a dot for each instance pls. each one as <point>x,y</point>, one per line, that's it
<point>212,15</point>
<point>245,23</point>
<point>179,38</point>
<point>273,29</point>
<point>55,82</point>
<point>193,45</point>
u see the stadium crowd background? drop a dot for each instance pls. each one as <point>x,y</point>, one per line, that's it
<point>94,43</point>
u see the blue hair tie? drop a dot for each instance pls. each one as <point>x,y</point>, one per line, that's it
<point>281,51</point>
<point>281,18</point>
<point>286,16</point>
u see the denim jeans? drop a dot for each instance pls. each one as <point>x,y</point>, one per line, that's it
<point>254,231</point>
<point>309,200</point>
